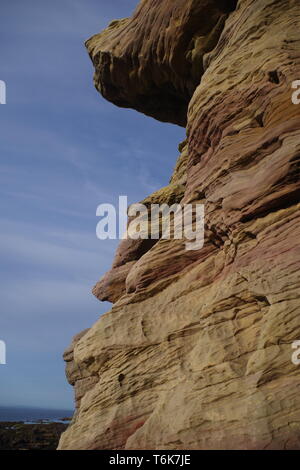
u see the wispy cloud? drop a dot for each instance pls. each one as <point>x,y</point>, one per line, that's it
<point>64,151</point>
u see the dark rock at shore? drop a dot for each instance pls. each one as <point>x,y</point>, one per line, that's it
<point>38,436</point>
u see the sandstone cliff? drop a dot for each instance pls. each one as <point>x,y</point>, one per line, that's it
<point>196,351</point>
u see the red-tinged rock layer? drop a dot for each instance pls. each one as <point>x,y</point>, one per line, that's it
<point>196,352</point>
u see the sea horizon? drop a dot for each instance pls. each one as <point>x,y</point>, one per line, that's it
<point>33,414</point>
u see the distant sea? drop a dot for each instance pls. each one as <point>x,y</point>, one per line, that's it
<point>32,415</point>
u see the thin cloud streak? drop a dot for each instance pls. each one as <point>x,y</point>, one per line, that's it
<point>64,150</point>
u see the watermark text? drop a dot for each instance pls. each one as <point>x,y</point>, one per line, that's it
<point>2,353</point>
<point>296,93</point>
<point>2,92</point>
<point>152,222</point>
<point>296,354</point>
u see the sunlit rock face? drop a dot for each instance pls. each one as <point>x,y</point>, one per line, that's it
<point>153,61</point>
<point>196,352</point>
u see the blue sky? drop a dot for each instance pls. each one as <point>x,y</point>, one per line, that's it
<point>63,151</point>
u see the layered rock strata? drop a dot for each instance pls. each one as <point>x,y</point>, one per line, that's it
<point>196,352</point>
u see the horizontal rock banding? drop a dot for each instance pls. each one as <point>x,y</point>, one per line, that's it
<point>196,352</point>
<point>152,62</point>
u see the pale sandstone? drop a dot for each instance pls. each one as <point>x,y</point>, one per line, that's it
<point>197,353</point>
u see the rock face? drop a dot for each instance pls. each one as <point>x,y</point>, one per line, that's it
<point>152,62</point>
<point>196,352</point>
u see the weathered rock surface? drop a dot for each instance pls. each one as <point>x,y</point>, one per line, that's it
<point>153,61</point>
<point>196,351</point>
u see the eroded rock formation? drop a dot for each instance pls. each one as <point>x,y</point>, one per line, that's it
<point>196,351</point>
<point>153,61</point>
